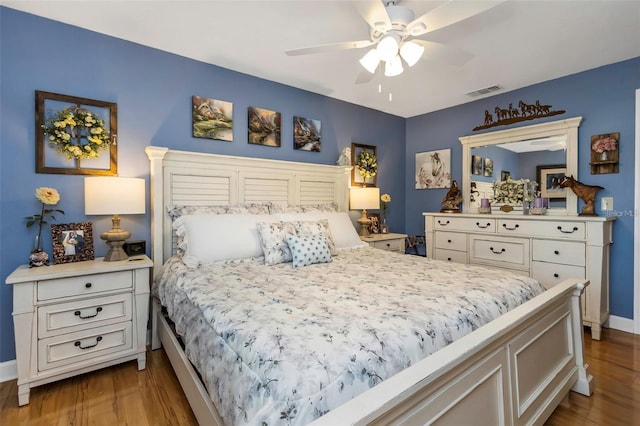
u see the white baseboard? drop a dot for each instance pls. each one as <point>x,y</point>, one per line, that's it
<point>8,371</point>
<point>620,323</point>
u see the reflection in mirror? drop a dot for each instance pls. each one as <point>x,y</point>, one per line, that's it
<point>521,153</point>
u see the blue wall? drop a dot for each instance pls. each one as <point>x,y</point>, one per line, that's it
<point>153,91</point>
<point>604,97</point>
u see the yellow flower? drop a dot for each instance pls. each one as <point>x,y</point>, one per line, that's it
<point>96,130</point>
<point>385,198</point>
<point>47,195</point>
<point>94,139</point>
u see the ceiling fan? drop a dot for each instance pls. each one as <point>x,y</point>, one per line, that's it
<point>394,32</point>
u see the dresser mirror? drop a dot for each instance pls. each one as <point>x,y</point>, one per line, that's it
<point>535,152</point>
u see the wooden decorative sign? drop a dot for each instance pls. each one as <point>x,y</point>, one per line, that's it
<point>513,115</point>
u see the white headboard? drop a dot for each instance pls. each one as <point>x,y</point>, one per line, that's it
<point>199,179</point>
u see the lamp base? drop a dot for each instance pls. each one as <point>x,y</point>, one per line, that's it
<point>364,223</point>
<point>115,239</point>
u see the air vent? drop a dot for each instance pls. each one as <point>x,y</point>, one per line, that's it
<point>485,91</point>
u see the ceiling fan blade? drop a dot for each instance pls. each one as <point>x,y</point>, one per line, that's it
<point>449,13</point>
<point>330,47</point>
<point>449,54</point>
<point>375,13</point>
<point>364,77</point>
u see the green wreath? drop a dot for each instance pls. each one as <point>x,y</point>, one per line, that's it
<point>71,125</point>
<point>367,164</point>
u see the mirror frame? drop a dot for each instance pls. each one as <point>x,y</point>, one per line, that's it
<point>567,128</point>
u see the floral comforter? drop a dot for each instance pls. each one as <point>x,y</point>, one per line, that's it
<point>278,345</point>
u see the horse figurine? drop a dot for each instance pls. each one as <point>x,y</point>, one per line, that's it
<point>586,193</point>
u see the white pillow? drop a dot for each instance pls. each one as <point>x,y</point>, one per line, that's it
<point>208,238</point>
<point>308,250</point>
<point>342,230</point>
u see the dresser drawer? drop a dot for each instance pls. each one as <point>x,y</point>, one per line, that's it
<point>564,252</point>
<point>86,345</point>
<point>451,256</point>
<point>499,251</point>
<point>451,241</point>
<point>83,314</point>
<point>450,223</point>
<point>84,285</point>
<point>391,245</point>
<point>549,274</point>
<point>553,229</point>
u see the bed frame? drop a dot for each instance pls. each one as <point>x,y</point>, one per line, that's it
<point>514,370</point>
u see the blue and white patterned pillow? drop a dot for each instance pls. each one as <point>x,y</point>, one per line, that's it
<point>273,238</point>
<point>307,250</point>
<point>316,227</point>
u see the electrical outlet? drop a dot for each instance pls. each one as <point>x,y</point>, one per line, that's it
<point>606,204</point>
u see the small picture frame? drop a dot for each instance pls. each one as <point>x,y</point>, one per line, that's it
<point>476,165</point>
<point>504,175</point>
<point>488,167</point>
<point>374,228</point>
<point>72,242</point>
<point>549,178</point>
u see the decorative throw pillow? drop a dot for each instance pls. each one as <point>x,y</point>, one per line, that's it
<point>314,228</point>
<point>307,250</point>
<point>273,238</point>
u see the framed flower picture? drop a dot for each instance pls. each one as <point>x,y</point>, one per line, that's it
<point>365,165</point>
<point>72,242</point>
<point>75,136</point>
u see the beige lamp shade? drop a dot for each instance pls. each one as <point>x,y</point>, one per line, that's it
<point>114,196</point>
<point>364,198</point>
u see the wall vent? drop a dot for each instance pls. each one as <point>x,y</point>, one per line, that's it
<point>485,91</point>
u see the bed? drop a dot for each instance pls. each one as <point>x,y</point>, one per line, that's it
<point>514,369</point>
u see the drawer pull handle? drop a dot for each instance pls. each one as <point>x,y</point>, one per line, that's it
<point>504,225</point>
<point>88,285</point>
<point>388,245</point>
<point>443,223</point>
<point>79,344</point>
<point>556,275</point>
<point>79,314</point>
<point>483,227</point>
<point>449,259</point>
<point>575,228</point>
<point>449,241</point>
<point>497,252</point>
<point>556,252</point>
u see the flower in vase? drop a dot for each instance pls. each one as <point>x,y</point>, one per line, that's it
<point>47,196</point>
<point>386,199</point>
<point>604,144</point>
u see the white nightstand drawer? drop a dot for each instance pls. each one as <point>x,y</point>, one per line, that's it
<point>451,241</point>
<point>84,345</point>
<point>391,245</point>
<point>549,274</point>
<point>82,314</point>
<point>553,229</point>
<point>451,255</point>
<point>568,253</point>
<point>451,223</point>
<point>83,285</point>
<point>499,251</point>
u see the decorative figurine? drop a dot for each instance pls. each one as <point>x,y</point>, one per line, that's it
<point>451,201</point>
<point>586,193</point>
<point>345,157</point>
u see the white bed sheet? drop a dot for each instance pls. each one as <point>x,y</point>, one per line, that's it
<point>277,345</point>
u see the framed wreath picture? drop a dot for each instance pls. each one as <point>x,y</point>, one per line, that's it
<point>75,136</point>
<point>365,165</point>
<point>72,242</point>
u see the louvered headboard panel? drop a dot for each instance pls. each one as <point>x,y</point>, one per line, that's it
<point>199,179</point>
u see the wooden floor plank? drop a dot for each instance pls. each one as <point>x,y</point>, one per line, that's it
<point>121,395</point>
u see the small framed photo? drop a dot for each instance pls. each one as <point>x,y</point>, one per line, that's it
<point>488,167</point>
<point>549,179</point>
<point>374,228</point>
<point>504,175</point>
<point>476,165</point>
<point>72,242</point>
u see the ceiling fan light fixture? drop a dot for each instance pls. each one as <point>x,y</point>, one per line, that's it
<point>388,47</point>
<point>370,61</point>
<point>411,52</point>
<point>393,67</point>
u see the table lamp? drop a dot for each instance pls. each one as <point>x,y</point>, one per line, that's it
<point>364,198</point>
<point>114,196</point>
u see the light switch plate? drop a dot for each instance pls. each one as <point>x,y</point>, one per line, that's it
<point>606,204</point>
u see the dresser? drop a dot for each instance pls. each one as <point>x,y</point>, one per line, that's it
<point>547,248</point>
<point>390,241</point>
<point>78,317</point>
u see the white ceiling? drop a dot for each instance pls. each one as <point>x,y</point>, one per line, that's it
<point>515,44</point>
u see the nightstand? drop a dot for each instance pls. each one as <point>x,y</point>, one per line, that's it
<point>391,242</point>
<point>78,317</point>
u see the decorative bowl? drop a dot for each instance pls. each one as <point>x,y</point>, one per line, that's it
<point>538,210</point>
<point>484,210</point>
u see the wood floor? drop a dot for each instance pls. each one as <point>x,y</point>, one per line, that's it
<point>121,395</point>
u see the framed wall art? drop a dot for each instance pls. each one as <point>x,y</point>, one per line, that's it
<point>364,162</point>
<point>264,127</point>
<point>476,165</point>
<point>75,136</point>
<point>212,119</point>
<point>549,179</point>
<point>433,169</point>
<point>488,167</point>
<point>307,134</point>
<point>72,242</point>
